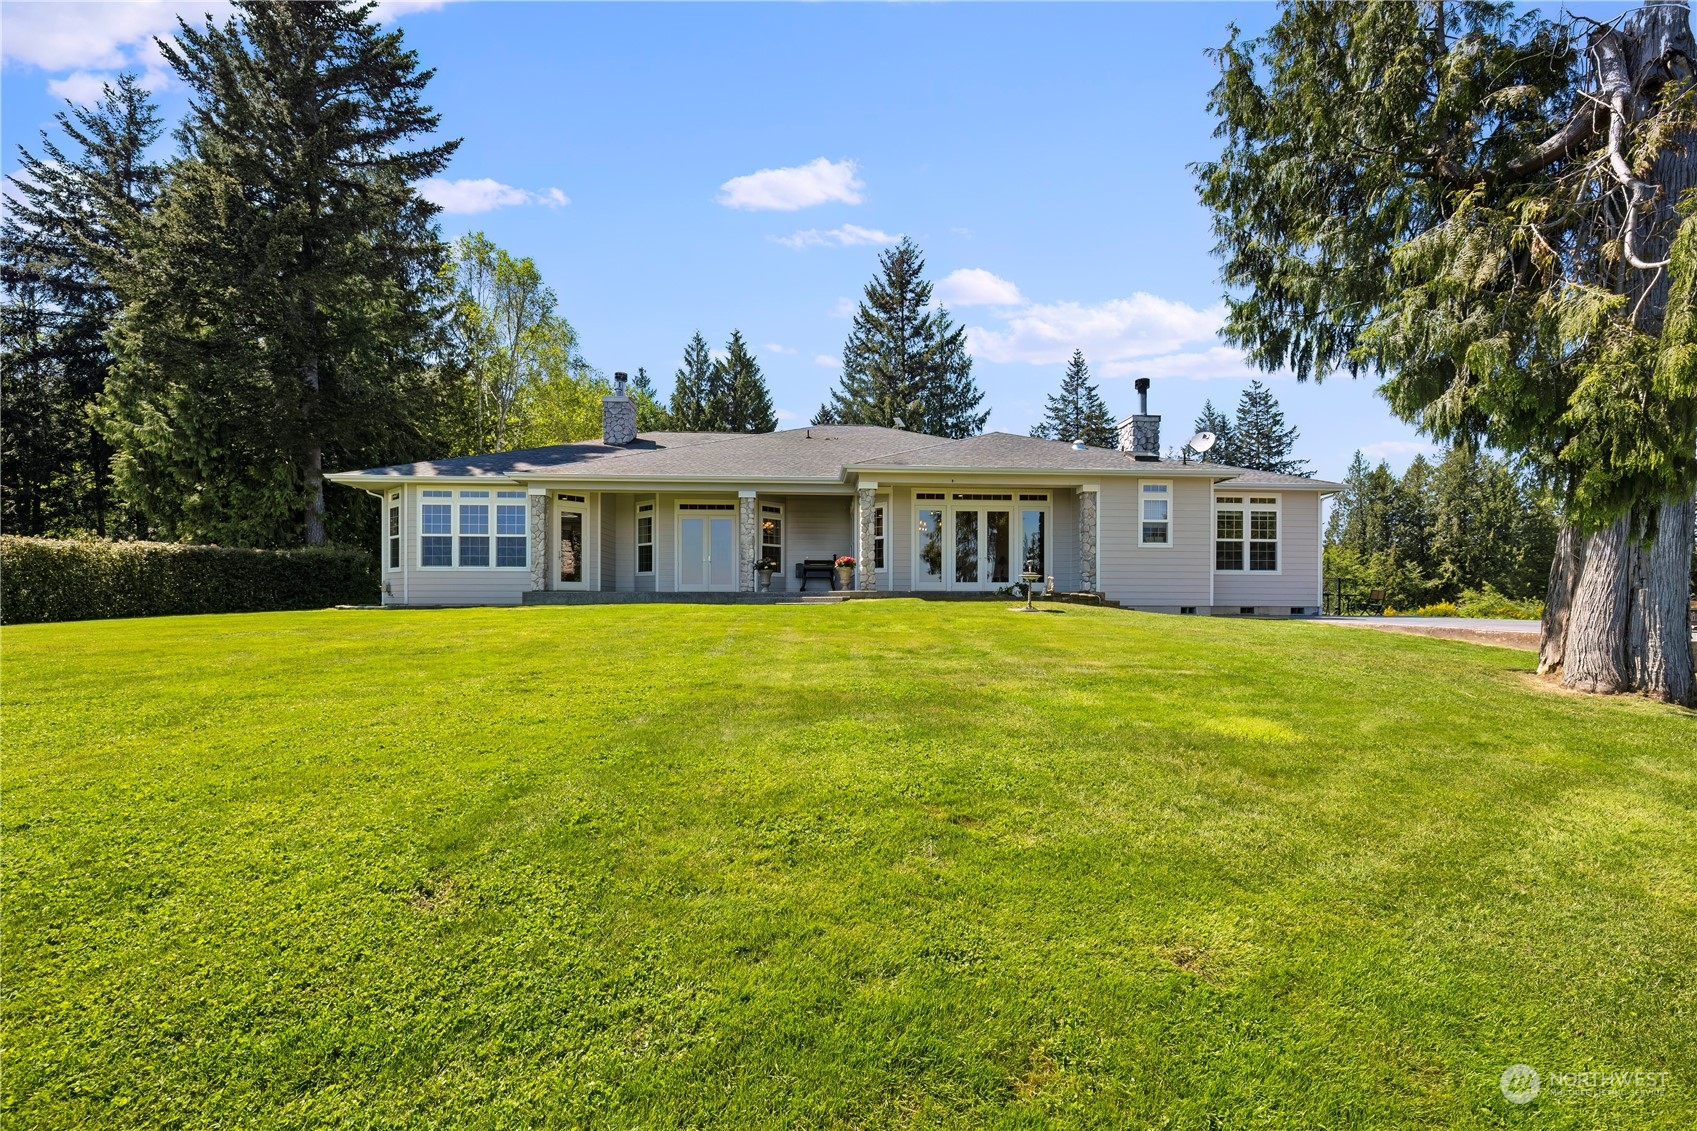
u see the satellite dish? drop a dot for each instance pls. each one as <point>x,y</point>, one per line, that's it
<point>1202,441</point>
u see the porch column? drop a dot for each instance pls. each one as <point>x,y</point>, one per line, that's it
<point>866,573</point>
<point>1087,496</point>
<point>539,538</point>
<point>748,539</point>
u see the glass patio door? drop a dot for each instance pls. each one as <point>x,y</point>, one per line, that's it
<point>983,548</point>
<point>707,557</point>
<point>928,549</point>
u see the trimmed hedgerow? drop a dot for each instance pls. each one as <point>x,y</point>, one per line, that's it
<point>44,579</point>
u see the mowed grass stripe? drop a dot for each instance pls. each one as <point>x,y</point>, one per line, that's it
<point>879,864</point>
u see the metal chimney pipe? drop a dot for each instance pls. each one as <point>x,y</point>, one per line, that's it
<point>619,380</point>
<point>1142,385</point>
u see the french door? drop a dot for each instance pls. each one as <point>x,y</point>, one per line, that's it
<point>964,546</point>
<point>574,521</point>
<point>707,555</point>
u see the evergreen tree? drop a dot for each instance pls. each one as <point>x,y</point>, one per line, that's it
<point>745,403</point>
<point>67,206</point>
<point>904,362</point>
<point>1259,439</point>
<point>1077,411</point>
<point>694,407</point>
<point>651,414</point>
<point>279,310</point>
<point>1217,422</point>
<point>1489,210</point>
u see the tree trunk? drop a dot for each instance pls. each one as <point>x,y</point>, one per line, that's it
<point>1594,655</point>
<point>1558,598</point>
<point>1659,640</point>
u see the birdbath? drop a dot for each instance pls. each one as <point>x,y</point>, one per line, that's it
<point>1031,577</point>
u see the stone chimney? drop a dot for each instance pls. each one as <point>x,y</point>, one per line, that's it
<point>1141,434</point>
<point>618,414</point>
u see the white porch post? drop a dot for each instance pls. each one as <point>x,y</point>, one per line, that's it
<point>539,538</point>
<point>748,541</point>
<point>866,573</point>
<point>1088,495</point>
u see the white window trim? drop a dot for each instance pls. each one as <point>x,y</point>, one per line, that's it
<point>650,511</point>
<point>1172,526</point>
<point>720,507</point>
<point>394,527</point>
<point>492,499</point>
<point>1244,508</point>
<point>881,511</point>
<point>761,507</point>
<point>948,505</point>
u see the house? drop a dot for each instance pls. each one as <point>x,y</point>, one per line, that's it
<point>692,513</point>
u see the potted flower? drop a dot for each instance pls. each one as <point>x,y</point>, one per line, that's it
<point>765,567</point>
<point>845,572</point>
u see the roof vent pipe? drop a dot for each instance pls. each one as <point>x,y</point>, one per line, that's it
<point>1079,445</point>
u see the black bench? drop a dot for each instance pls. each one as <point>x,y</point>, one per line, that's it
<point>816,569</point>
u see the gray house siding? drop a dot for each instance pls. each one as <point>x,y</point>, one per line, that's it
<point>1297,583</point>
<point>1164,578</point>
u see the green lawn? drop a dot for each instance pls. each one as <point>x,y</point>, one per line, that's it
<point>871,865</point>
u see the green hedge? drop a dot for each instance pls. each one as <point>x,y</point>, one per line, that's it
<point>43,579</point>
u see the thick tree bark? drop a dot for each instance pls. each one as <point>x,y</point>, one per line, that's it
<point>1594,658</point>
<point>1558,598</point>
<point>1659,638</point>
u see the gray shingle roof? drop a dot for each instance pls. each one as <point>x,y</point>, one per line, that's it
<point>823,452</point>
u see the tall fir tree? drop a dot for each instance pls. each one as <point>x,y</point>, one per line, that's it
<point>651,414</point>
<point>694,406</point>
<point>904,362</point>
<point>1259,438</point>
<point>69,206</point>
<point>1223,450</point>
<point>1076,412</point>
<point>280,308</point>
<point>746,403</point>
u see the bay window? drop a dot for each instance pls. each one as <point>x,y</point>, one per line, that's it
<point>463,532</point>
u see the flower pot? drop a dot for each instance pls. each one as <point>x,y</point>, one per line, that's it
<point>845,577</point>
<point>765,576</point>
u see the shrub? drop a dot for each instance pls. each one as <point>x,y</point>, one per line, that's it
<point>1487,602</point>
<point>1441,609</point>
<point>43,579</point>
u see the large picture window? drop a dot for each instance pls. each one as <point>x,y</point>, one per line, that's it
<point>1246,533</point>
<point>475,530</point>
<point>1154,513</point>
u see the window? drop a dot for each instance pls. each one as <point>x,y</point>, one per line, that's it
<point>969,497</point>
<point>1034,498</point>
<point>447,530</point>
<point>395,530</point>
<point>645,538</point>
<point>1246,533</point>
<point>436,530</point>
<point>772,534</point>
<point>1032,524</point>
<point>937,495</point>
<point>878,560</point>
<point>707,506</point>
<point>510,530</point>
<point>1154,513</point>
<point>474,529</point>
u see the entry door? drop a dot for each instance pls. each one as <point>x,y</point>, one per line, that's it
<point>983,548</point>
<point>707,555</point>
<point>572,562</point>
<point>929,545</point>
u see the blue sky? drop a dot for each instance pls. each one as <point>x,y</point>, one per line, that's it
<point>701,166</point>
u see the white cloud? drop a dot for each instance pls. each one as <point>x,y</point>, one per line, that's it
<point>845,308</point>
<point>773,347</point>
<point>799,186</point>
<point>848,235</point>
<point>484,194</point>
<point>1196,365</point>
<point>82,87</point>
<point>1120,330</point>
<point>786,414</point>
<point>974,286</point>
<point>826,360</point>
<point>1386,449</point>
